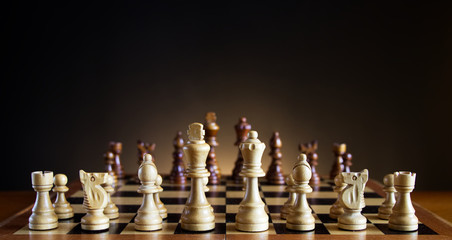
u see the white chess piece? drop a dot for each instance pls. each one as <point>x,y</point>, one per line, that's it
<point>162,209</point>
<point>43,215</point>
<point>62,207</point>
<point>95,200</point>
<point>251,215</point>
<point>385,210</point>
<point>148,216</point>
<point>352,199</point>
<point>336,209</point>
<point>403,217</point>
<point>197,214</point>
<point>287,207</point>
<point>111,210</point>
<point>300,217</point>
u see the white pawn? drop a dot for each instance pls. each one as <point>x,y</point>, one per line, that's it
<point>251,215</point>
<point>162,209</point>
<point>300,218</point>
<point>95,200</point>
<point>287,207</point>
<point>148,216</point>
<point>62,207</point>
<point>403,217</point>
<point>111,210</point>
<point>385,210</point>
<point>43,215</point>
<point>352,199</point>
<point>336,209</point>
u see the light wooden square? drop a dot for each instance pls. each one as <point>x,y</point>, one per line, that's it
<point>321,209</point>
<point>63,228</point>
<point>174,194</point>
<point>370,230</point>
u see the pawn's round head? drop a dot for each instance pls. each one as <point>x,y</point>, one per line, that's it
<point>110,180</point>
<point>302,170</point>
<point>388,180</point>
<point>158,180</point>
<point>148,157</point>
<point>302,157</point>
<point>252,135</point>
<point>60,180</point>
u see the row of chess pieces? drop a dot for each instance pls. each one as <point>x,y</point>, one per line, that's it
<point>274,175</point>
<point>198,214</point>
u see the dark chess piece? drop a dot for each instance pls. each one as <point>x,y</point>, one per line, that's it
<point>177,172</point>
<point>143,149</point>
<point>116,149</point>
<point>275,173</point>
<point>338,165</point>
<point>347,161</point>
<point>241,129</point>
<point>211,128</point>
<point>310,149</point>
<point>109,162</point>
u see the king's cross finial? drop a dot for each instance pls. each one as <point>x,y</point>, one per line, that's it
<point>195,132</point>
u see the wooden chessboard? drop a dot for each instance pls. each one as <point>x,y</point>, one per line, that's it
<point>225,199</point>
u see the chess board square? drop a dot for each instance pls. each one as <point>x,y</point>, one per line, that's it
<point>220,217</point>
<point>273,188</point>
<point>115,228</point>
<point>127,200</point>
<point>124,218</point>
<point>76,219</point>
<point>230,217</point>
<point>370,230</point>
<point>174,194</point>
<point>77,194</point>
<point>374,201</point>
<point>170,201</point>
<point>63,228</point>
<point>324,189</point>
<point>322,195</point>
<point>276,194</point>
<point>370,209</point>
<point>128,208</point>
<point>234,188</point>
<point>75,200</point>
<point>276,218</point>
<point>177,188</point>
<point>235,194</point>
<point>127,188</point>
<point>175,208</point>
<point>275,201</point>
<point>215,194</point>
<point>173,218</point>
<point>233,201</point>
<point>167,228</point>
<point>371,195</point>
<point>217,188</point>
<point>220,228</point>
<point>230,229</point>
<point>127,194</point>
<point>280,228</point>
<point>216,201</point>
<point>219,208</point>
<point>325,218</point>
<point>422,230</point>
<point>373,218</point>
<point>321,201</point>
<point>321,209</point>
<point>78,208</point>
<point>274,208</point>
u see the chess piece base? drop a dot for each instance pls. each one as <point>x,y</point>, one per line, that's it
<point>65,215</point>
<point>148,228</point>
<point>254,227</point>
<point>95,220</point>
<point>352,220</point>
<point>198,227</point>
<point>298,227</point>
<point>111,211</point>
<point>404,228</point>
<point>47,226</point>
<point>96,227</point>
<point>383,216</point>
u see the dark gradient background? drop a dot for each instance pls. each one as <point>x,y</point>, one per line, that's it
<point>375,75</point>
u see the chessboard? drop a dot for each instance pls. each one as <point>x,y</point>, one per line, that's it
<point>225,199</point>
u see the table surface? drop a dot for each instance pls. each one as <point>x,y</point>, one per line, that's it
<point>437,202</point>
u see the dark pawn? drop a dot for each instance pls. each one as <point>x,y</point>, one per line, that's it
<point>241,129</point>
<point>275,173</point>
<point>347,161</point>
<point>177,172</point>
<point>116,149</point>
<point>310,149</point>
<point>338,165</point>
<point>211,128</point>
<point>109,162</point>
